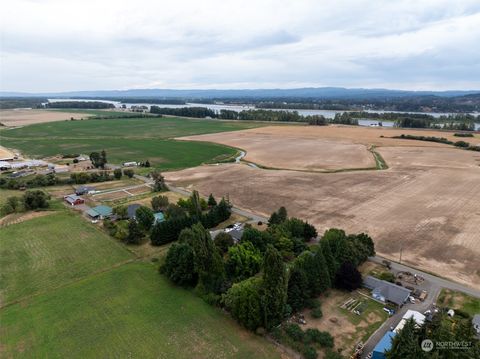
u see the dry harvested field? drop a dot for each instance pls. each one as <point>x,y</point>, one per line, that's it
<point>427,203</point>
<point>318,148</point>
<point>14,118</point>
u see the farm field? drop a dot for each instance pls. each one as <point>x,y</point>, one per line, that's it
<point>130,311</point>
<point>126,140</point>
<point>317,148</point>
<point>425,204</point>
<point>23,117</point>
<point>45,252</point>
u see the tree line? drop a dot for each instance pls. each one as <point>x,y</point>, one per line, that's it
<point>94,105</point>
<point>267,275</point>
<point>461,144</point>
<point>29,201</point>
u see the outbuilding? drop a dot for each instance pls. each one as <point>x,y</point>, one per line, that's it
<point>383,345</point>
<point>100,212</point>
<point>159,217</point>
<point>418,317</point>
<point>73,199</point>
<point>84,190</point>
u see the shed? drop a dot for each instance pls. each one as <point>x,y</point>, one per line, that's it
<point>84,190</point>
<point>73,199</point>
<point>236,234</point>
<point>418,317</point>
<point>383,345</point>
<point>132,209</point>
<point>385,291</point>
<point>159,217</point>
<point>100,212</point>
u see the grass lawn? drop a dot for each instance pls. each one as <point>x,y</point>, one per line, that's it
<point>458,300</point>
<point>45,252</point>
<point>125,140</point>
<point>5,193</point>
<point>128,312</point>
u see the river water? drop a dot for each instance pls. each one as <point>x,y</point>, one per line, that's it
<point>238,108</point>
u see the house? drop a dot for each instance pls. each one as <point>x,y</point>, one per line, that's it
<point>383,345</point>
<point>73,199</point>
<point>386,292</point>
<point>476,323</point>
<point>159,217</point>
<point>418,317</point>
<point>236,234</point>
<point>84,190</point>
<point>100,212</point>
<point>131,210</point>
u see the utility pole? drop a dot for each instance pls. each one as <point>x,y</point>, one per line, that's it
<point>401,248</point>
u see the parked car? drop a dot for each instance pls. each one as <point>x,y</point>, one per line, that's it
<point>389,311</point>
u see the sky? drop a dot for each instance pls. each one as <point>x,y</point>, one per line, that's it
<point>69,45</point>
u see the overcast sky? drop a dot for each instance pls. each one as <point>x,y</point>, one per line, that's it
<point>62,45</point>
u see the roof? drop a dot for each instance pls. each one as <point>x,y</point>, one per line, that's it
<point>132,209</point>
<point>392,292</point>
<point>236,234</point>
<point>85,188</point>
<point>476,319</point>
<point>71,198</point>
<point>159,217</point>
<point>101,210</point>
<point>383,345</point>
<point>418,317</point>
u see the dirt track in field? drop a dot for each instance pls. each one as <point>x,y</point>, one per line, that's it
<point>13,118</point>
<point>427,204</point>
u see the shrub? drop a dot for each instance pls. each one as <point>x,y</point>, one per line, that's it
<point>324,339</point>
<point>312,303</point>
<point>330,354</point>
<point>309,352</point>
<point>317,313</point>
<point>387,276</point>
<point>294,331</point>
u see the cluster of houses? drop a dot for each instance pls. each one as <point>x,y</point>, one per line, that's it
<point>102,212</point>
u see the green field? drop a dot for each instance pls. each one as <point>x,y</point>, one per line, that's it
<point>46,252</point>
<point>458,300</point>
<point>136,139</point>
<point>128,312</point>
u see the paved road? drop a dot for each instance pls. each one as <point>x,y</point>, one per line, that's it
<point>437,281</point>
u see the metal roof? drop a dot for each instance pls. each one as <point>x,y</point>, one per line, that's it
<point>383,345</point>
<point>102,210</point>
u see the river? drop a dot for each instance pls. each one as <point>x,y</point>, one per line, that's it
<point>238,108</point>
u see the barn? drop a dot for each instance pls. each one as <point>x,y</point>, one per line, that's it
<point>73,199</point>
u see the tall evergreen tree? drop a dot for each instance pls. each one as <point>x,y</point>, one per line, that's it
<point>274,287</point>
<point>298,291</point>
<point>323,275</point>
<point>282,214</point>
<point>196,205</point>
<point>406,344</point>
<point>208,262</point>
<point>135,233</point>
<point>211,201</point>
<point>330,260</point>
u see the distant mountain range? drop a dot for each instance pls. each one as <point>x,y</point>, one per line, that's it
<point>313,92</point>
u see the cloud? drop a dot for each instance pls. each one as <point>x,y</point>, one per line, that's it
<point>55,45</point>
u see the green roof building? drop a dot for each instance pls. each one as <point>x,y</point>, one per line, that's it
<point>100,212</point>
